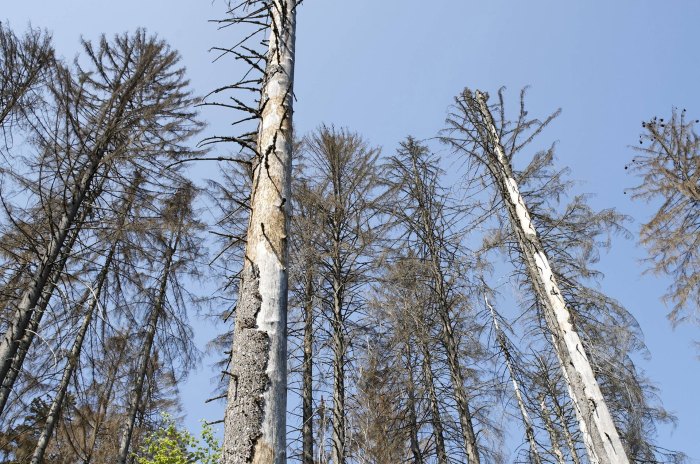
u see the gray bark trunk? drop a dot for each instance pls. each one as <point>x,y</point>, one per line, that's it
<point>600,434</point>
<point>74,355</point>
<point>338,454</point>
<point>144,358</point>
<point>430,238</point>
<point>435,416</point>
<point>20,334</point>
<point>307,431</point>
<point>19,350</point>
<point>552,431</point>
<point>570,442</point>
<point>255,419</point>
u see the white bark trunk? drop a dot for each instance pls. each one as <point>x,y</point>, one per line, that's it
<point>255,419</point>
<point>527,422</point>
<point>553,435</point>
<point>600,434</point>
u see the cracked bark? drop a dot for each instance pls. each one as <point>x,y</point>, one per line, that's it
<point>255,422</point>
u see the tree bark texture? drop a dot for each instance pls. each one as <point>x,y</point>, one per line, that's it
<point>255,422</point>
<point>600,434</point>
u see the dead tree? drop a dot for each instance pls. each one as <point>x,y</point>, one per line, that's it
<point>174,245</point>
<point>25,64</point>
<point>91,294</point>
<point>506,351</point>
<point>668,165</point>
<point>474,132</point>
<point>255,428</point>
<point>129,106</point>
<point>421,210</point>
<point>344,193</point>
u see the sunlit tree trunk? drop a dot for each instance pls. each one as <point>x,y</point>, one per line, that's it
<point>552,431</point>
<point>527,422</point>
<point>255,425</point>
<point>598,429</point>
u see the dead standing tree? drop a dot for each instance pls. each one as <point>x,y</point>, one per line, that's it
<point>255,424</point>
<point>668,164</point>
<point>474,132</point>
<point>344,193</point>
<point>421,209</point>
<point>130,105</point>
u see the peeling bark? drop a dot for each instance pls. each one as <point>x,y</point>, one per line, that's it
<point>255,422</point>
<point>600,434</point>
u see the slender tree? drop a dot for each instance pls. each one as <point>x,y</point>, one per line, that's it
<point>474,132</point>
<point>256,404</point>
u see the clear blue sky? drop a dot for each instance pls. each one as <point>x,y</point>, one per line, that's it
<point>389,68</point>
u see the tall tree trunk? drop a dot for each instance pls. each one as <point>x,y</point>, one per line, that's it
<point>338,454</point>
<point>255,425</point>
<point>435,416</point>
<point>465,417</point>
<point>307,415</point>
<point>74,355</point>
<point>17,339</point>
<point>570,442</point>
<point>144,358</point>
<point>411,415</point>
<point>255,420</point>
<point>527,423</point>
<point>600,434</point>
<point>431,240</point>
<point>20,349</point>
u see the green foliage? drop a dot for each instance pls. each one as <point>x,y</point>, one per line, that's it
<point>168,445</point>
